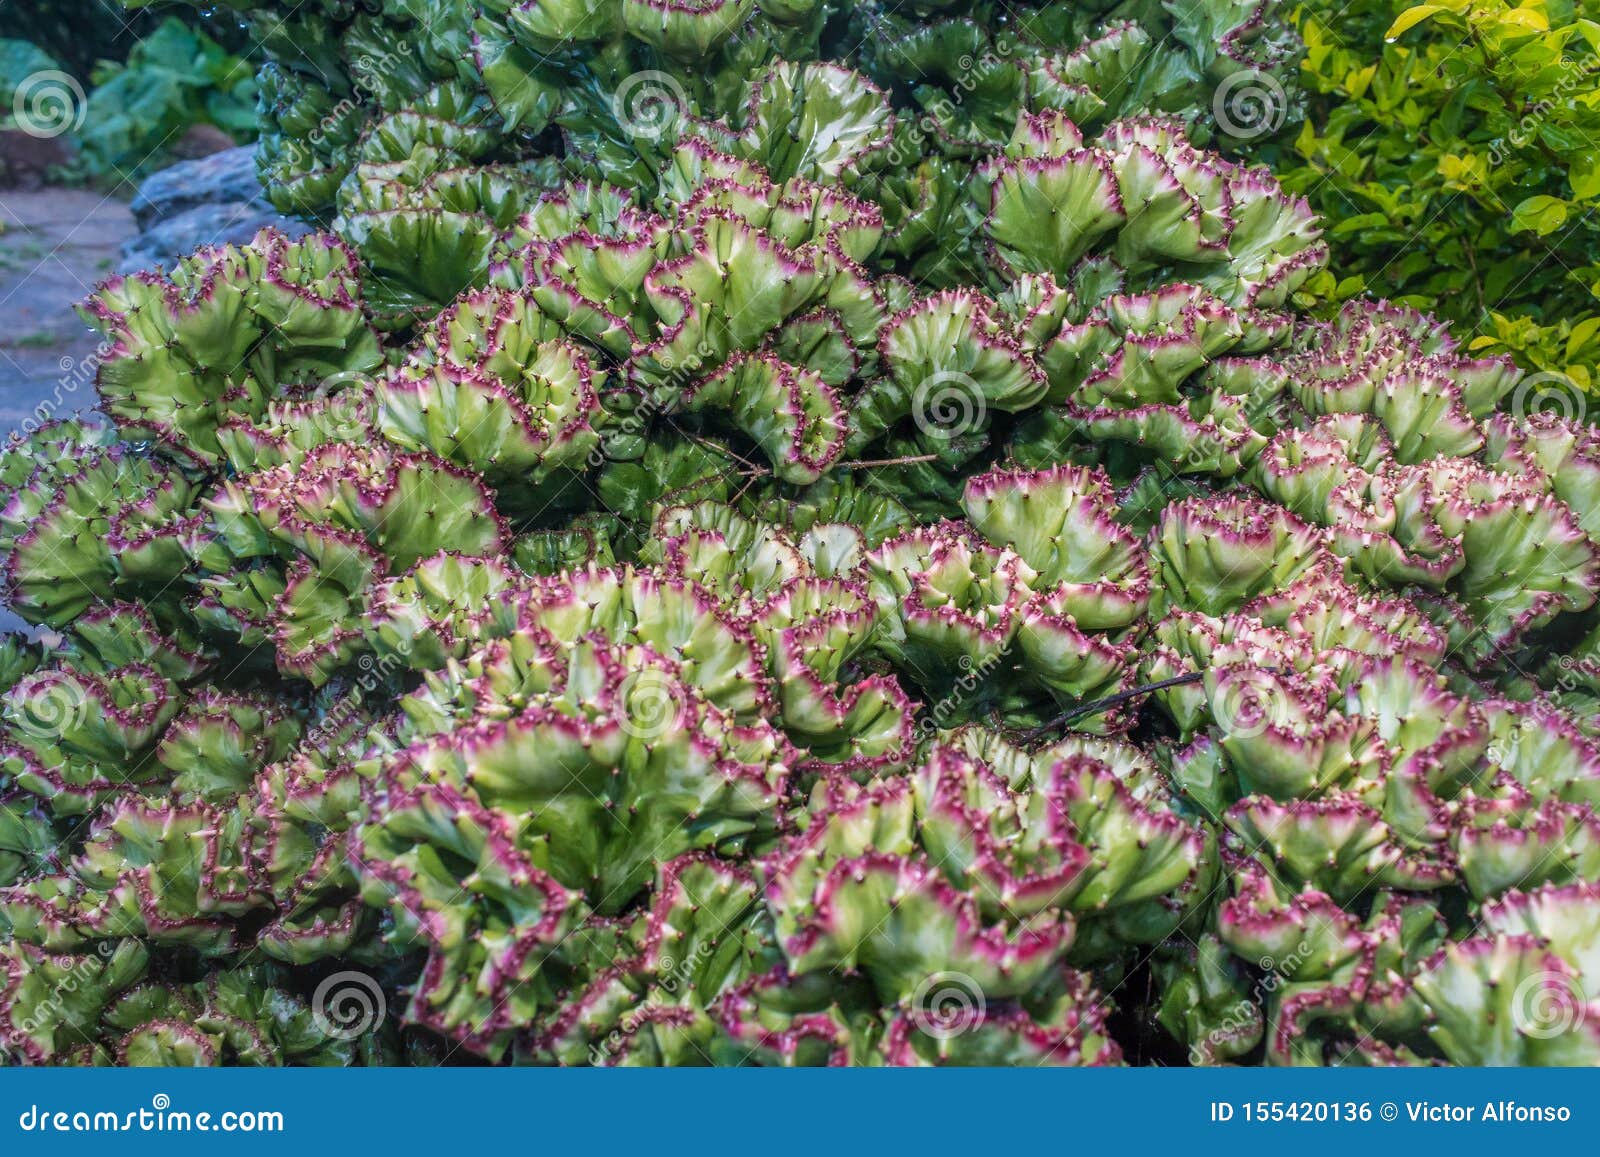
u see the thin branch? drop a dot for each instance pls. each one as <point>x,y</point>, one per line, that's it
<point>868,464</point>
<point>1100,706</point>
<point>717,448</point>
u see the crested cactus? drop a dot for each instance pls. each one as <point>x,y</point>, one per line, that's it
<point>842,560</point>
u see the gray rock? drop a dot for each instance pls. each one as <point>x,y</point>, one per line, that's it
<point>221,178</point>
<point>232,222</point>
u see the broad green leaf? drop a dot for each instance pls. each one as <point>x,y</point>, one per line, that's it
<point>1527,19</point>
<point>1357,80</point>
<point>1584,177</point>
<point>1542,214</point>
<point>1410,18</point>
<point>1580,335</point>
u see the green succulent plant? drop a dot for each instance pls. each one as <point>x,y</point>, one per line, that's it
<point>642,602</point>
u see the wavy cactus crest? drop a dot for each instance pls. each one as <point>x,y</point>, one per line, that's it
<point>227,332</point>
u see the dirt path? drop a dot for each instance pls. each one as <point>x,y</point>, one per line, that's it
<point>57,244</point>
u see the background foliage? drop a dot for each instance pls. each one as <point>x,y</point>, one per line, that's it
<point>77,35</point>
<point>83,34</point>
<point>176,77</point>
<point>1452,149</point>
<point>143,97</point>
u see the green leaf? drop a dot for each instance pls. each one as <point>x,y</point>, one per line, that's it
<point>1581,334</point>
<point>1542,214</point>
<point>1410,18</point>
<point>1584,177</point>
